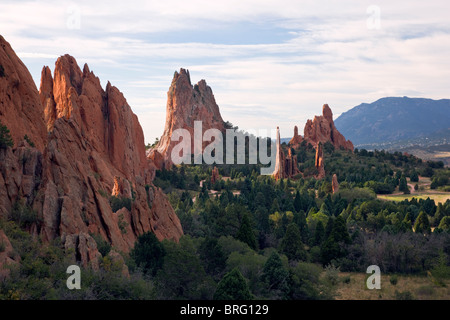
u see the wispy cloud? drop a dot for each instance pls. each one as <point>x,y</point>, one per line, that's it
<point>266,61</point>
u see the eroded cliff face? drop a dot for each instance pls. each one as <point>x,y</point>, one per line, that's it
<point>94,140</point>
<point>185,104</point>
<point>20,107</point>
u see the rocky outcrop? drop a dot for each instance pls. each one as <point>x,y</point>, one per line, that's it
<point>215,175</point>
<point>319,163</point>
<point>185,104</point>
<point>7,256</point>
<point>121,188</point>
<point>321,130</point>
<point>335,184</point>
<point>94,148</point>
<point>20,107</point>
<point>296,139</point>
<point>285,166</point>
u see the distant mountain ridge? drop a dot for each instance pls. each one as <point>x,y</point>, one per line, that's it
<point>393,119</point>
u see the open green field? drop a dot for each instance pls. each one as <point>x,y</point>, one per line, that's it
<point>438,197</point>
<point>407,287</point>
<point>424,192</point>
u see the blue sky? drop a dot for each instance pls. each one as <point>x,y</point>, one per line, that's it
<point>269,63</point>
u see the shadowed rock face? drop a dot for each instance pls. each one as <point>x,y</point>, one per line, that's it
<point>186,104</point>
<point>94,144</point>
<point>321,129</point>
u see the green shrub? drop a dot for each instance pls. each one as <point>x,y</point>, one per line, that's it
<point>233,286</point>
<point>103,193</point>
<point>118,203</point>
<point>332,274</point>
<point>5,137</point>
<point>346,280</point>
<point>103,246</point>
<point>148,253</point>
<point>24,215</point>
<point>27,139</point>
<point>393,279</point>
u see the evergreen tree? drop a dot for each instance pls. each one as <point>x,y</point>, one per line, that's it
<point>403,185</point>
<point>445,224</point>
<point>414,177</point>
<point>5,137</point>
<point>297,202</point>
<point>233,286</point>
<point>319,234</point>
<point>292,245</point>
<point>334,245</point>
<point>212,256</point>
<point>245,233</point>
<point>300,220</point>
<point>422,224</point>
<point>274,274</point>
<point>148,253</point>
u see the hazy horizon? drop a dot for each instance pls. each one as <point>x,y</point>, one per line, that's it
<point>269,64</point>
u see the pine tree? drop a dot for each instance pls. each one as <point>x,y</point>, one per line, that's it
<point>319,234</point>
<point>5,137</point>
<point>292,245</point>
<point>403,185</point>
<point>297,202</point>
<point>274,274</point>
<point>148,253</point>
<point>233,286</point>
<point>245,233</point>
<point>422,224</point>
<point>333,246</point>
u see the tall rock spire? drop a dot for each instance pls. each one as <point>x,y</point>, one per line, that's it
<point>279,172</point>
<point>285,166</point>
<point>185,105</point>
<point>319,161</point>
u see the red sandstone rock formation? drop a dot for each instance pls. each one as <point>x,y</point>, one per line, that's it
<point>7,255</point>
<point>296,139</point>
<point>285,166</point>
<point>335,184</point>
<point>20,107</point>
<point>321,129</point>
<point>122,188</point>
<point>215,175</point>
<point>95,144</point>
<point>186,104</point>
<point>319,162</point>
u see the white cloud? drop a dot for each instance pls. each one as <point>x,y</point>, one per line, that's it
<point>327,55</point>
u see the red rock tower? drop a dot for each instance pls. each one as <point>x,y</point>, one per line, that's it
<point>319,162</point>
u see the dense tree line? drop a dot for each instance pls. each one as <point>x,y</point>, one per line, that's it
<point>251,237</point>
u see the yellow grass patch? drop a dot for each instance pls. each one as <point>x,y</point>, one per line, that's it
<point>420,287</point>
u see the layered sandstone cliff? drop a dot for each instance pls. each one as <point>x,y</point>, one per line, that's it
<point>94,143</point>
<point>185,105</point>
